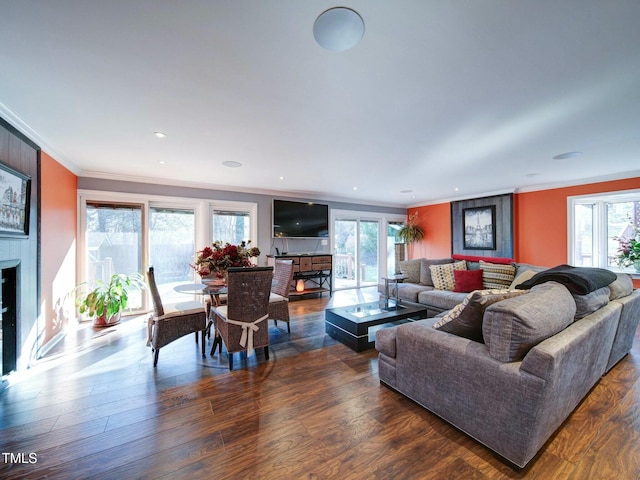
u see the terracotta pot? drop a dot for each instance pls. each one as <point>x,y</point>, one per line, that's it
<point>102,321</point>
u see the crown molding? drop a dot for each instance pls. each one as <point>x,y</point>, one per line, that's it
<point>316,196</point>
<point>23,127</point>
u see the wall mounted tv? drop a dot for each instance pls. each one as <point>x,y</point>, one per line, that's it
<point>300,219</point>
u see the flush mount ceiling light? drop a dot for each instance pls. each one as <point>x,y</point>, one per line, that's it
<point>566,155</point>
<point>231,164</point>
<point>159,134</point>
<point>338,29</point>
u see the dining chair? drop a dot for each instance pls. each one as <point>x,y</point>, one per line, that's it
<point>241,324</point>
<point>170,322</point>
<point>279,298</point>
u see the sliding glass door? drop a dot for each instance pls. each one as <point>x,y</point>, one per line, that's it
<point>369,252</point>
<point>344,260</point>
<point>357,253</point>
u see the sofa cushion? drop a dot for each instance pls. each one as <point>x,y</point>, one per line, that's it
<point>465,319</point>
<point>621,287</point>
<point>411,268</point>
<point>409,291</point>
<point>467,280</point>
<point>510,328</point>
<point>522,267</point>
<point>497,276</point>
<point>425,271</point>
<point>521,276</point>
<point>442,275</point>
<point>440,299</point>
<point>589,303</point>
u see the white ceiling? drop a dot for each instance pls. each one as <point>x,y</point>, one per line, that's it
<point>446,99</point>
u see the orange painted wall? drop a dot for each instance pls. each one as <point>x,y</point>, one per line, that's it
<point>435,220</point>
<point>58,243</point>
<point>540,223</point>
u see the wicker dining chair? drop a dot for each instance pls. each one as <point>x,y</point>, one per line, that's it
<point>279,298</point>
<point>170,322</point>
<point>242,324</point>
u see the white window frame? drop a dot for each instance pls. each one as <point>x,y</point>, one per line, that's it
<point>599,202</point>
<point>231,206</point>
<point>382,218</point>
<point>203,211</point>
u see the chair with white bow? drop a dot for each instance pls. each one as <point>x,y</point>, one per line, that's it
<point>170,322</point>
<point>242,324</point>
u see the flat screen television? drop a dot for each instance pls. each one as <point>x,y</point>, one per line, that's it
<point>300,219</point>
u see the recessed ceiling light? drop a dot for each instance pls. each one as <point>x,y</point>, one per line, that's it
<point>529,175</point>
<point>231,164</point>
<point>338,29</point>
<point>406,191</point>
<point>566,155</point>
<point>355,188</point>
<point>160,134</point>
<point>162,162</point>
<point>281,178</point>
<point>456,189</point>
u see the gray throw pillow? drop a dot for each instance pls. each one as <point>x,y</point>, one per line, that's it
<point>411,268</point>
<point>465,319</point>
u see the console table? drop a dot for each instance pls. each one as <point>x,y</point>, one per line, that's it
<point>310,268</point>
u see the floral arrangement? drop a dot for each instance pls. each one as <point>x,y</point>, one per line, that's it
<point>629,248</point>
<point>215,260</point>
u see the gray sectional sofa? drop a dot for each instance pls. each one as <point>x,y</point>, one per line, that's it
<point>537,354</point>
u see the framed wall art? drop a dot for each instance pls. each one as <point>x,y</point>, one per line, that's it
<point>15,189</point>
<point>479,228</point>
<point>483,226</point>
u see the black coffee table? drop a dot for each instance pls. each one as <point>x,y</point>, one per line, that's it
<point>352,325</point>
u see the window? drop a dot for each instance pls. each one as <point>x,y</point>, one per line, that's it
<point>596,222</point>
<point>113,243</point>
<point>171,249</point>
<point>125,233</point>
<point>230,226</point>
<point>395,248</point>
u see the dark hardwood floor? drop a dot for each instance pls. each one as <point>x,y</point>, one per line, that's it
<point>96,408</point>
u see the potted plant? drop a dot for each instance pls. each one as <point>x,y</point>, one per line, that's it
<point>410,232</point>
<point>104,302</point>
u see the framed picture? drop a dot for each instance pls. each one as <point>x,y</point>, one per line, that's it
<point>479,228</point>
<point>14,202</point>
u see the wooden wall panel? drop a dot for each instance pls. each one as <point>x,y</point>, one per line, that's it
<point>21,154</point>
<point>504,225</point>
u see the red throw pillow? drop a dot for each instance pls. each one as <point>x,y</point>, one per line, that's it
<point>467,280</point>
